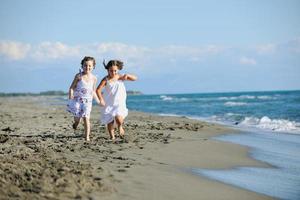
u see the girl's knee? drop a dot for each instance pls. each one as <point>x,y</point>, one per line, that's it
<point>77,119</point>
<point>119,120</point>
<point>110,125</point>
<point>86,119</point>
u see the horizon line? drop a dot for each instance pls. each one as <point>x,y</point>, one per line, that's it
<point>142,93</point>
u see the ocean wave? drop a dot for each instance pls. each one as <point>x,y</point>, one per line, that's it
<point>265,97</point>
<point>169,98</point>
<point>264,123</point>
<point>248,97</point>
<point>166,98</point>
<point>238,97</point>
<point>231,103</point>
<point>280,125</point>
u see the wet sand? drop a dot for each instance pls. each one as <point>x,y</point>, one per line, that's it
<point>43,158</point>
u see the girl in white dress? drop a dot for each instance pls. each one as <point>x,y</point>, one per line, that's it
<point>113,97</point>
<point>81,93</point>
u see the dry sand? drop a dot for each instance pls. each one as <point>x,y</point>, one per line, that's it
<point>43,158</point>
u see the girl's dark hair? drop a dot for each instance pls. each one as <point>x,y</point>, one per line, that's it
<point>88,58</point>
<point>111,63</point>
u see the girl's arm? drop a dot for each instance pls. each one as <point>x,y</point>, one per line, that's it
<point>99,91</point>
<point>73,86</point>
<point>128,77</point>
<point>94,91</point>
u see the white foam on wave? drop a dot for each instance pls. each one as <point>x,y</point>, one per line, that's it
<point>245,97</point>
<point>265,97</point>
<point>264,123</point>
<point>166,98</point>
<point>228,98</point>
<point>232,103</point>
<point>170,115</point>
<point>280,125</point>
<point>238,97</point>
<point>232,114</point>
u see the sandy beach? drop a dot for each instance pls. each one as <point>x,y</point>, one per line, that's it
<point>43,158</point>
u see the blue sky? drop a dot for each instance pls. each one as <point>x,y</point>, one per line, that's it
<point>173,46</point>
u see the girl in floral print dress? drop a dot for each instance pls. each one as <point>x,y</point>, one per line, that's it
<point>81,94</point>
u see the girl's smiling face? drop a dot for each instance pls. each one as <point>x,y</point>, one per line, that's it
<point>88,66</point>
<point>113,71</point>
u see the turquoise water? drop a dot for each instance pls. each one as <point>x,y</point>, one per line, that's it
<point>277,111</point>
<point>281,150</point>
<point>270,124</point>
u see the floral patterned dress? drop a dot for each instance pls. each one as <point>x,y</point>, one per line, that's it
<point>81,105</point>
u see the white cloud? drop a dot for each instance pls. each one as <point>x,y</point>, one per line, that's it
<point>121,51</point>
<point>14,50</point>
<point>56,50</point>
<point>132,55</point>
<point>136,55</point>
<point>266,48</point>
<point>247,61</point>
<point>44,51</point>
<point>294,45</point>
<point>290,46</point>
<point>139,56</point>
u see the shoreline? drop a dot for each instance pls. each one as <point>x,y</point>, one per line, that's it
<point>48,160</point>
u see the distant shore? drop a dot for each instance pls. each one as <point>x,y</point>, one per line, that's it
<point>51,93</point>
<point>45,93</point>
<point>41,156</point>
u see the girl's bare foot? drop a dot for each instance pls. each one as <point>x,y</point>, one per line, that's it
<point>121,132</point>
<point>112,135</point>
<point>74,126</point>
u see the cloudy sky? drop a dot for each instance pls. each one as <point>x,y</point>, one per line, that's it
<point>189,46</point>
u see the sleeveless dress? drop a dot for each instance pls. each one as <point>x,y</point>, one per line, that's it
<point>114,95</point>
<point>81,105</point>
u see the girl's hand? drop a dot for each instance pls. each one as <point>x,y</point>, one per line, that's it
<point>128,77</point>
<point>102,103</point>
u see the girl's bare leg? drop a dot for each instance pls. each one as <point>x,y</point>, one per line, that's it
<point>87,128</point>
<point>76,122</point>
<point>111,131</point>
<point>120,121</point>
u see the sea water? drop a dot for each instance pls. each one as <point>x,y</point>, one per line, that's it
<point>281,150</point>
<point>270,124</point>
<point>278,111</point>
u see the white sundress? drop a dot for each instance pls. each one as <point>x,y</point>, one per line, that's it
<point>114,95</point>
<point>81,105</point>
